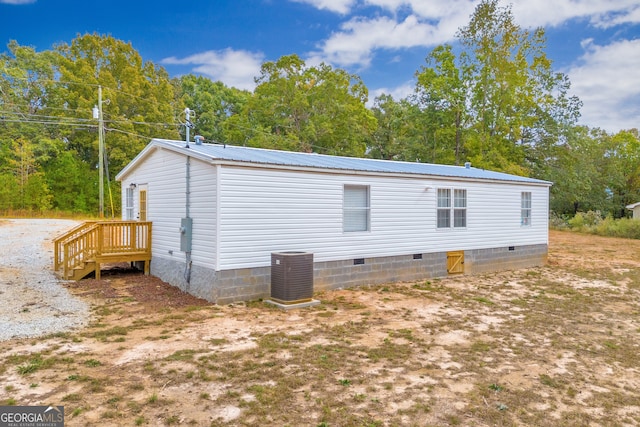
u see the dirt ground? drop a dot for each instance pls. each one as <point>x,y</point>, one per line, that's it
<point>552,346</point>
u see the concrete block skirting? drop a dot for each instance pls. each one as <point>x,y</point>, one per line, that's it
<point>227,286</point>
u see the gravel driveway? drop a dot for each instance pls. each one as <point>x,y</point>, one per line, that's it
<point>32,300</point>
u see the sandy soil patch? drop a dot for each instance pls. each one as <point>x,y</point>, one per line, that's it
<point>557,345</point>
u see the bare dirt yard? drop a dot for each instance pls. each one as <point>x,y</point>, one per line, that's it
<point>551,346</point>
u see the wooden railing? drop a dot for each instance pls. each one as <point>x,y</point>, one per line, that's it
<point>93,243</point>
<point>60,242</point>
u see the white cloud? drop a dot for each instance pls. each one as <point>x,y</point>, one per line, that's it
<point>424,24</point>
<point>608,83</point>
<point>429,23</point>
<point>235,68</point>
<point>354,44</point>
<point>17,2</point>
<point>339,6</point>
<point>599,13</point>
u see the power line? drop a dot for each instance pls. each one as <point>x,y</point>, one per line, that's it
<point>31,117</point>
<point>45,122</point>
<point>93,85</point>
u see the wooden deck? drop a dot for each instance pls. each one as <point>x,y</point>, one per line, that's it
<point>83,249</point>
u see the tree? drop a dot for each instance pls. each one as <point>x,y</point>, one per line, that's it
<point>140,102</point>
<point>622,153</point>
<point>500,104</point>
<point>388,141</point>
<point>27,90</point>
<point>442,92</point>
<point>300,108</point>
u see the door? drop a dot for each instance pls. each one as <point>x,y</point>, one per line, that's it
<point>142,202</point>
<point>455,262</point>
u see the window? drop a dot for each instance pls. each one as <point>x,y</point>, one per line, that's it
<point>444,208</point>
<point>525,208</point>
<point>129,204</point>
<point>356,208</point>
<point>457,209</point>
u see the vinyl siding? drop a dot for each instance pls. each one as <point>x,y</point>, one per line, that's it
<point>164,175</point>
<point>265,210</point>
<point>203,212</point>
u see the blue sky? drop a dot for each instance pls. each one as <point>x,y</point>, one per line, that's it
<point>595,42</point>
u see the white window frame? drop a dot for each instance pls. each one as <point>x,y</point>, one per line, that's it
<point>460,208</point>
<point>356,209</point>
<point>525,209</point>
<point>443,214</point>
<point>129,204</point>
<point>451,210</point>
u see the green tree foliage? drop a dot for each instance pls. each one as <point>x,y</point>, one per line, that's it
<point>595,171</point>
<point>389,141</point>
<point>300,108</point>
<point>139,99</point>
<point>499,102</point>
<point>48,137</point>
<point>575,168</point>
<point>442,93</point>
<point>26,89</point>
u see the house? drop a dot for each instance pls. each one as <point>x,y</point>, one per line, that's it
<point>635,207</point>
<point>220,211</point>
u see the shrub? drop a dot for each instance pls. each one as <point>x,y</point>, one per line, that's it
<point>558,222</point>
<point>624,227</point>
<point>593,223</point>
<point>585,221</point>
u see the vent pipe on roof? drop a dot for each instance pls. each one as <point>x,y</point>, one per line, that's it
<point>199,139</point>
<point>467,165</point>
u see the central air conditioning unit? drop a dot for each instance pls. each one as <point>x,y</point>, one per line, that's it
<point>291,277</point>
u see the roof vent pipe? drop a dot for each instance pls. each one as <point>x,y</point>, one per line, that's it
<point>467,165</point>
<point>199,139</point>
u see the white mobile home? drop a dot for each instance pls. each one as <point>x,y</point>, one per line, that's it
<point>220,211</point>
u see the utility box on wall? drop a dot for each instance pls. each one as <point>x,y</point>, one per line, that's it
<point>291,277</point>
<point>186,234</point>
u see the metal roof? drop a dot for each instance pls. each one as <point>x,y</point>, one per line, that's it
<point>311,160</point>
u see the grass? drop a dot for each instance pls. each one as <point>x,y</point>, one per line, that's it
<point>507,349</point>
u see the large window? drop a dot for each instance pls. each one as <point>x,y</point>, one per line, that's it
<point>448,208</point>
<point>356,208</point>
<point>525,208</point>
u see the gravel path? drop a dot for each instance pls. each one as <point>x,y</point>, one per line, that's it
<point>32,300</point>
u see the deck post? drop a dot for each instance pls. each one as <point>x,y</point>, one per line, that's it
<point>56,255</point>
<point>133,231</point>
<point>66,261</point>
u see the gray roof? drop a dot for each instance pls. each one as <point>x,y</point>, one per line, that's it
<point>312,160</point>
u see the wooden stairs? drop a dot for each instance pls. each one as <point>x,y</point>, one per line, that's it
<point>83,249</point>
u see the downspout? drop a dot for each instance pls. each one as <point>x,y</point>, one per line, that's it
<point>187,268</point>
<point>187,222</point>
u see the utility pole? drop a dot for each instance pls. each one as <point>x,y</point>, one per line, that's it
<point>97,114</point>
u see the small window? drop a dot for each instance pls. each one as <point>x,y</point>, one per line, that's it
<point>525,208</point>
<point>448,210</point>
<point>356,208</point>
<point>129,204</point>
